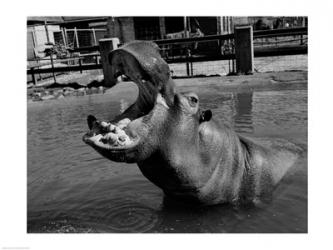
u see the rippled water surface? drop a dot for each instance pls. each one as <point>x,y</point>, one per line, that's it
<point>71,188</point>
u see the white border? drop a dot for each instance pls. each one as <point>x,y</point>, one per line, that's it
<point>14,130</point>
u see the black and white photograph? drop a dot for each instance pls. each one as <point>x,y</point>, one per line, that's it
<point>167,124</point>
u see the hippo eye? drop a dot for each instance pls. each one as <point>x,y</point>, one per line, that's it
<point>193,100</point>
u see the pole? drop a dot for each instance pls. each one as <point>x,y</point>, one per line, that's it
<point>76,38</point>
<point>244,49</point>
<point>80,63</point>
<point>185,27</point>
<point>47,32</point>
<point>54,77</point>
<point>63,37</point>
<point>33,76</point>
<point>106,45</point>
<point>51,53</point>
<point>66,37</point>
<point>94,33</point>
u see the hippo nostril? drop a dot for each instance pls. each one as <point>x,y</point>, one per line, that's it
<point>91,119</point>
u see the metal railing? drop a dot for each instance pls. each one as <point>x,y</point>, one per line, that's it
<point>208,55</point>
<point>215,55</point>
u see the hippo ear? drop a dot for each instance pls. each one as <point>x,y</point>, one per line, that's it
<point>205,116</point>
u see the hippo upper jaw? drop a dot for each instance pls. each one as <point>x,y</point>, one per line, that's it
<point>141,62</point>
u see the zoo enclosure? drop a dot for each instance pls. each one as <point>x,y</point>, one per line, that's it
<point>188,57</point>
<point>67,51</point>
<point>281,49</point>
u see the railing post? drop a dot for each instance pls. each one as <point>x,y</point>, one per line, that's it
<point>33,76</point>
<point>52,65</point>
<point>76,37</point>
<point>94,34</point>
<point>106,45</point>
<point>63,37</point>
<point>244,49</point>
<point>80,63</point>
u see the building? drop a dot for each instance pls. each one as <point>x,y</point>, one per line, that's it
<point>82,31</point>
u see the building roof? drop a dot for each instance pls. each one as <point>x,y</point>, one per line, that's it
<point>49,19</point>
<point>83,18</point>
<point>64,19</point>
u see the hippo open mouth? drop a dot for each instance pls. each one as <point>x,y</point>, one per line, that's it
<point>108,135</point>
<point>141,62</point>
<point>120,141</point>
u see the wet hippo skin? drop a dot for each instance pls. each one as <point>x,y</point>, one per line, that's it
<point>180,147</point>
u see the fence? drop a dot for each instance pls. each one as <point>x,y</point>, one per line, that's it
<point>76,38</point>
<point>274,50</point>
<point>298,61</point>
<point>69,50</point>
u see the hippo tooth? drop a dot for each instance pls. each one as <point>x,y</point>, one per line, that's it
<point>117,130</point>
<point>122,143</point>
<point>123,123</point>
<point>96,137</point>
<point>104,124</point>
<point>122,138</point>
<point>111,138</point>
<point>112,128</point>
<point>122,133</point>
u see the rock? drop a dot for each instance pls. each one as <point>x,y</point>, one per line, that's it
<point>69,89</point>
<point>81,91</point>
<point>37,94</point>
<point>61,96</point>
<point>56,92</point>
<point>94,90</point>
<point>101,89</point>
<point>47,97</point>
<point>88,91</point>
<point>37,99</point>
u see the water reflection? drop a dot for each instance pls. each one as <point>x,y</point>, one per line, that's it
<point>243,112</point>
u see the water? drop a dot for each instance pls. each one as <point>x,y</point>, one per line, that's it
<point>71,188</point>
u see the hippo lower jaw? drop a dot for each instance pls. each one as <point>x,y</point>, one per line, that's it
<point>121,141</point>
<point>118,144</point>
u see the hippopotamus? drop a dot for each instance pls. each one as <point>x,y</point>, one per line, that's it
<point>180,147</point>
